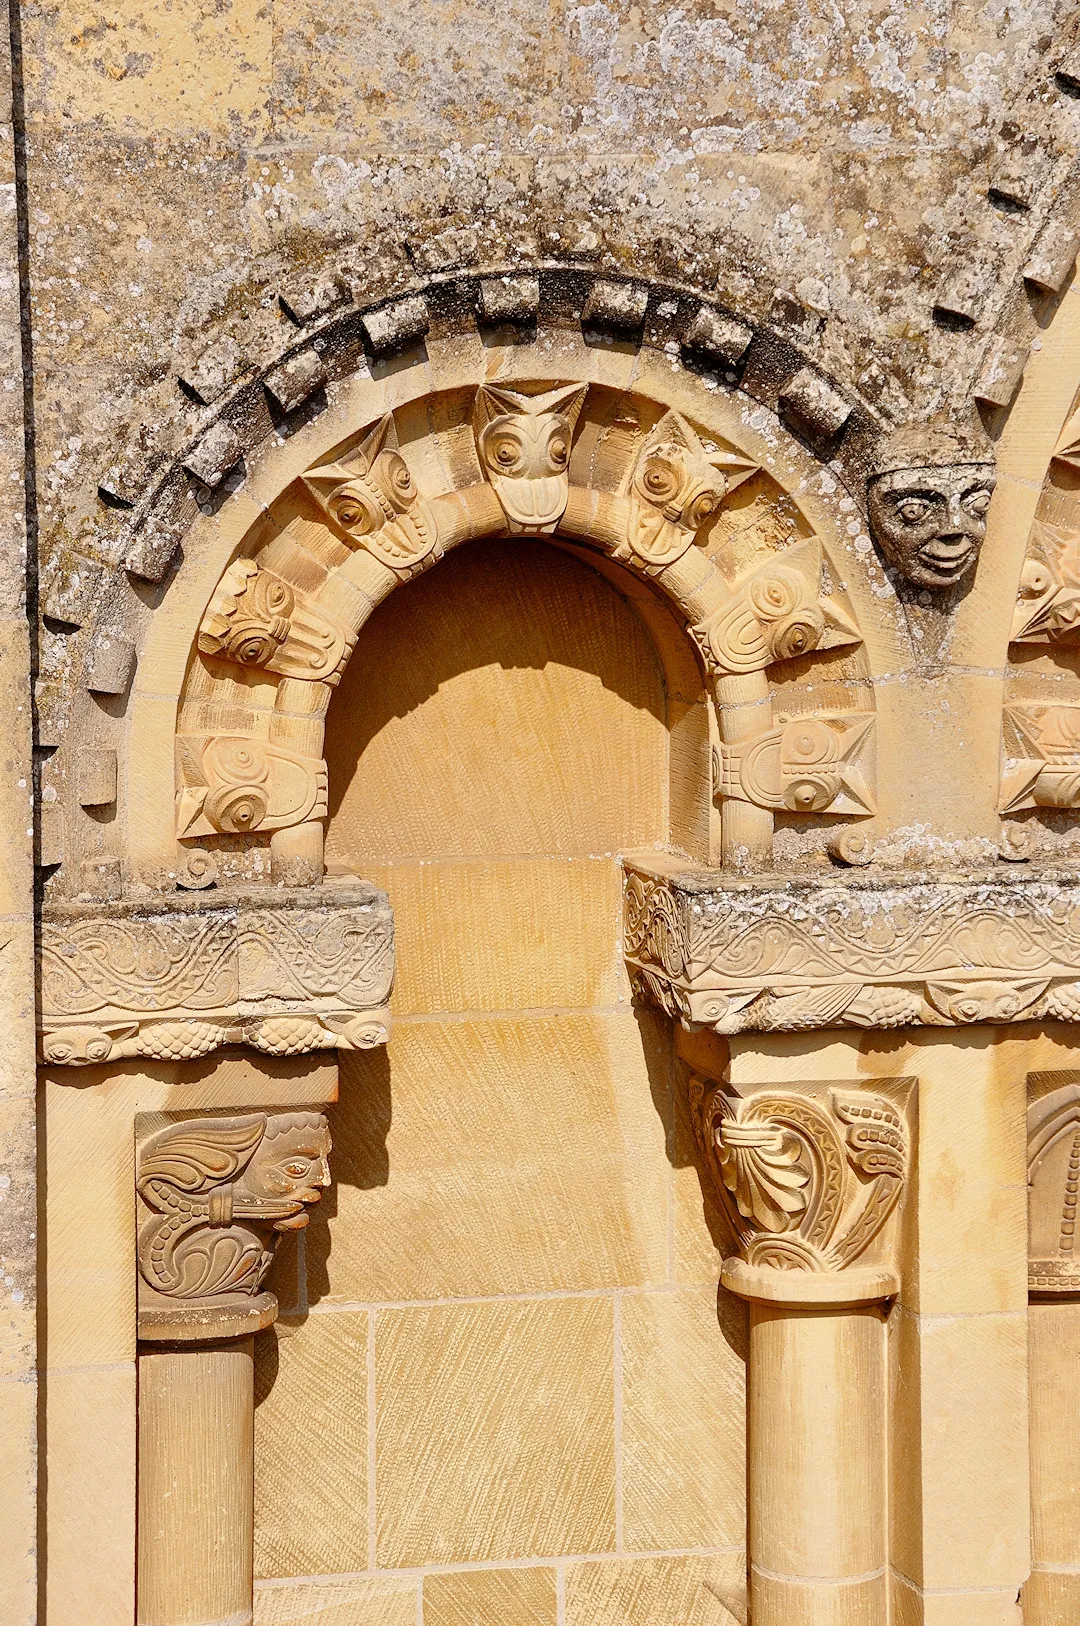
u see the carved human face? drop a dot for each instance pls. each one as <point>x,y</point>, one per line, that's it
<point>290,1169</point>
<point>930,522</point>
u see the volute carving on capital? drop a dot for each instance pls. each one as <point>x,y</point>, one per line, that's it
<point>1041,757</point>
<point>234,784</point>
<point>215,1195</point>
<point>808,1186</point>
<point>808,764</point>
<point>777,613</point>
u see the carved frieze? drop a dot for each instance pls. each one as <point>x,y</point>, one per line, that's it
<point>1041,757</point>
<point>283,972</point>
<point>1053,1185</point>
<point>234,784</point>
<point>524,446</point>
<point>777,613</point>
<point>257,619</point>
<point>808,1184</point>
<point>373,501</point>
<point>876,952</point>
<point>809,764</point>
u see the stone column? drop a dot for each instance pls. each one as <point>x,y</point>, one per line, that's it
<point>809,1183</point>
<point>213,1194</point>
<point>1052,1595</point>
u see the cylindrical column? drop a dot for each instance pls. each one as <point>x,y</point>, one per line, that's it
<point>1052,1595</point>
<point>196,1419</point>
<point>817,1466</point>
<point>296,854</point>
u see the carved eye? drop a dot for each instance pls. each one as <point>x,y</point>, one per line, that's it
<point>913,509</point>
<point>354,515</point>
<point>977,502</point>
<point>505,453</point>
<point>702,508</point>
<point>558,452</point>
<point>660,480</point>
<point>297,1168</point>
<point>397,475</point>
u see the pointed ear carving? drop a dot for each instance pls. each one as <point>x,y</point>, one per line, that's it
<point>325,477</point>
<point>495,400</point>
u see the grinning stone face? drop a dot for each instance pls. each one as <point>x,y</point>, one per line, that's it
<point>930,522</point>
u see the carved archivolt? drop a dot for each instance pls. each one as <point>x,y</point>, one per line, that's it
<point>215,1194</point>
<point>1053,1184</point>
<point>284,973</point>
<point>890,952</point>
<point>807,1184</point>
<point>622,475</point>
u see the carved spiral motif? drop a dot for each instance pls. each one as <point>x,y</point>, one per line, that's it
<point>236,809</point>
<point>774,597</point>
<point>798,635</point>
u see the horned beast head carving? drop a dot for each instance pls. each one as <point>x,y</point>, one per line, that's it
<point>676,488</point>
<point>372,497</point>
<point>524,445</point>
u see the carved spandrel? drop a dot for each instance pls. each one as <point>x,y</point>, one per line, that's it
<point>1053,1186</point>
<point>214,1195</point>
<point>808,1183</point>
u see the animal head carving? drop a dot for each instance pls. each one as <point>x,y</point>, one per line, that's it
<point>675,489</point>
<point>372,498</point>
<point>524,445</point>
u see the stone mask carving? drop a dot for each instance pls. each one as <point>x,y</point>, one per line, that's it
<point>676,488</point>
<point>372,497</point>
<point>927,501</point>
<point>524,447</point>
<point>218,1189</point>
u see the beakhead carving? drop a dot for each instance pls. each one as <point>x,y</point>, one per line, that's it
<point>372,498</point>
<point>776,614</point>
<point>1048,600</point>
<point>220,1190</point>
<point>677,486</point>
<point>809,764</point>
<point>927,500</point>
<point>257,619</point>
<point>524,446</point>
<point>1041,757</point>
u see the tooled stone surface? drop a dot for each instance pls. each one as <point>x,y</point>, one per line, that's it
<point>285,972</point>
<point>876,951</point>
<point>215,1194</point>
<point>1053,1181</point>
<point>806,1184</point>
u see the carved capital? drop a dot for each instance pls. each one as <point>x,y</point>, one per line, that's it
<point>1041,766</point>
<point>808,1186</point>
<point>234,784</point>
<point>807,764</point>
<point>1053,1185</point>
<point>214,1196</point>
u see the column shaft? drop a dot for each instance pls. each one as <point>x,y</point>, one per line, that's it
<point>1052,1595</point>
<point>817,1465</point>
<point>196,1444</point>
